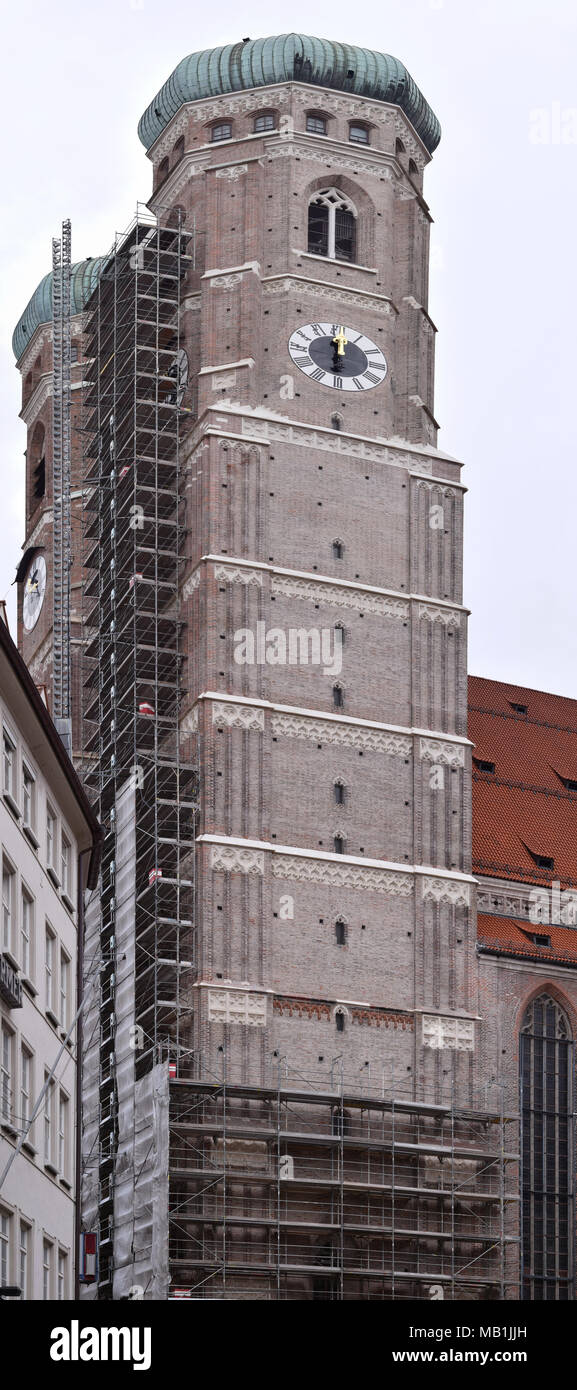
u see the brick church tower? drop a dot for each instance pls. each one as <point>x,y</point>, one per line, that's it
<point>289,1020</point>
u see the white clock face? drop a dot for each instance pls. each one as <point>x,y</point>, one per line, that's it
<point>342,358</point>
<point>34,591</point>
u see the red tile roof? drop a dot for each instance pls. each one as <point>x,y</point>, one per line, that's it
<point>512,938</point>
<point>523,808</point>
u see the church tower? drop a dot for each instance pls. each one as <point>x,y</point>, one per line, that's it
<point>289,1024</point>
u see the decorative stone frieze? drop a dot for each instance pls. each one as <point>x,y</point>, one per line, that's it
<point>446,890</point>
<point>237,716</point>
<point>435,750</point>
<point>236,859</point>
<point>456,1034</point>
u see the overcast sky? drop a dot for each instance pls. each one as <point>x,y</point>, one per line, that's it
<point>501,77</point>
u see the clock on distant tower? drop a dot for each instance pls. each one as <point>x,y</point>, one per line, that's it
<point>34,591</point>
<point>342,358</point>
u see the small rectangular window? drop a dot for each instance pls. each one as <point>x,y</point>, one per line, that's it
<point>483,765</point>
<point>519,709</point>
<point>222,131</point>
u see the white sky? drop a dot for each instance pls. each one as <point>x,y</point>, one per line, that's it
<point>76,78</point>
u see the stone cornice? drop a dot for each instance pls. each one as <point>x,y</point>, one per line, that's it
<point>260,426</point>
<point>344,593</point>
<point>337,720</point>
<point>231,854</point>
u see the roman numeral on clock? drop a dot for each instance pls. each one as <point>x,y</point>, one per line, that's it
<point>370,376</point>
<point>302,361</point>
<point>317,375</point>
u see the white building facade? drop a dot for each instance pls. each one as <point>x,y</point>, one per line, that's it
<point>49,851</point>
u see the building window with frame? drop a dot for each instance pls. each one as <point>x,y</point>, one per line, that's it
<point>28,798</point>
<point>339,844</point>
<point>63,1112</point>
<point>24,1259</point>
<point>62,1288</point>
<point>26,933</point>
<point>8,765</point>
<point>332,221</point>
<point>547,1147</point>
<point>8,888</point>
<point>48,1117</point>
<point>47,1265</point>
<point>340,1020</point>
<point>49,947</point>
<point>221,131</point>
<point>338,696</point>
<point>66,865</point>
<point>339,793</point>
<point>64,988</point>
<point>340,932</point>
<point>51,837</point>
<point>316,124</point>
<point>6,1073</point>
<point>25,1085</point>
<point>359,133</point>
<point>266,120</point>
<point>5,1232</point>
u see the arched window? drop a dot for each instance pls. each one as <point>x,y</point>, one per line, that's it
<point>332,225</point>
<point>178,151</point>
<point>547,1152</point>
<point>338,550</point>
<point>339,793</point>
<point>339,844</point>
<point>337,421</point>
<point>340,932</point>
<point>359,133</point>
<point>338,696</point>
<point>163,170</point>
<point>221,131</point>
<point>316,123</point>
<point>266,120</point>
<point>340,1020</point>
<point>413,171</point>
<point>399,148</point>
<point>37,464</point>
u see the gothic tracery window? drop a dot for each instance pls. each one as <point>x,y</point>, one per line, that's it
<point>547,1152</point>
<point>332,225</point>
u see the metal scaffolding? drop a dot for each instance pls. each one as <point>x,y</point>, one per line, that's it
<point>290,1193</point>
<point>61,478</point>
<point>134,420</point>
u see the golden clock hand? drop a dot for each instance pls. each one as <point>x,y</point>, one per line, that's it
<point>341,342</point>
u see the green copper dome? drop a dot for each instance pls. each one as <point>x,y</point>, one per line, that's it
<point>84,277</point>
<point>290,58</point>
